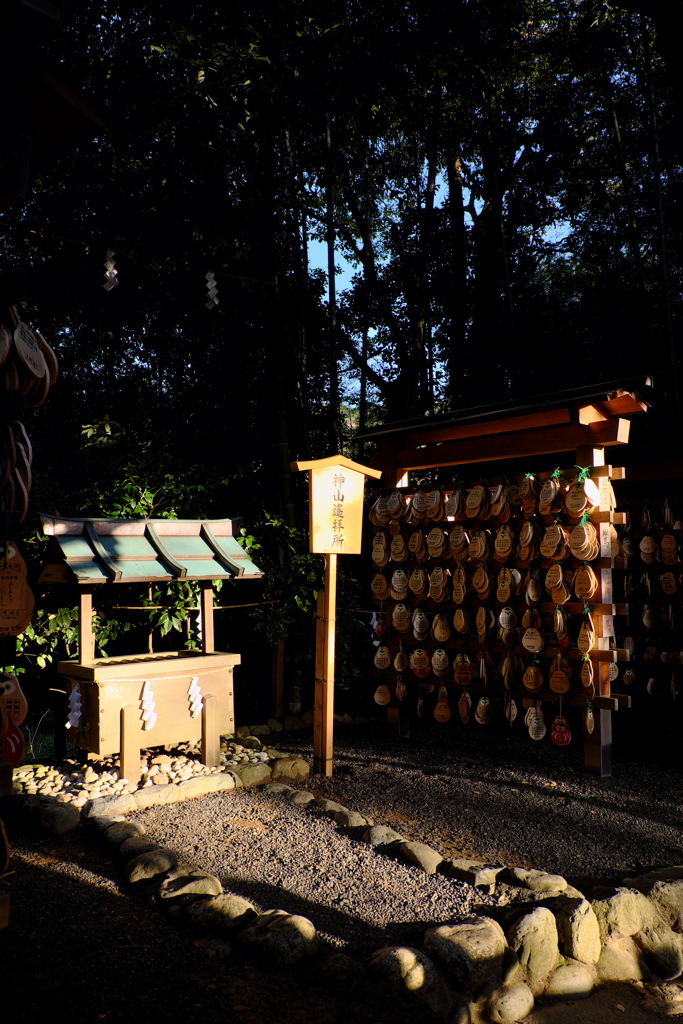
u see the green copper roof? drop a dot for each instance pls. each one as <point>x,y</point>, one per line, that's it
<point>143,550</point>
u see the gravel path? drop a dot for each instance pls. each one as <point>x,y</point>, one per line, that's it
<point>76,942</point>
<point>505,802</point>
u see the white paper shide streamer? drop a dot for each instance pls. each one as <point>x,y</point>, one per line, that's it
<point>194,696</point>
<point>211,291</point>
<point>147,706</point>
<point>74,712</point>
<point>111,273</point>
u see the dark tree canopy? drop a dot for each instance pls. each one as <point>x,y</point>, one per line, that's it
<point>505,181</point>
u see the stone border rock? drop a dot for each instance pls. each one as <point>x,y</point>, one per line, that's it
<point>555,943</point>
<point>544,939</point>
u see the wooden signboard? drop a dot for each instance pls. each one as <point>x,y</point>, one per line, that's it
<point>336,510</point>
<point>336,489</point>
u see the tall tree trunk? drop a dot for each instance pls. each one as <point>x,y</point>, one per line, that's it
<point>417,367</point>
<point>299,355</point>
<point>669,362</point>
<point>279,386</point>
<point>457,294</point>
<point>634,232</point>
<point>334,431</point>
<point>499,221</point>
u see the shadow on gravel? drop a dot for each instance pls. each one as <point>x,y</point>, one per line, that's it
<point>360,937</point>
<point>493,794</point>
<point>79,949</point>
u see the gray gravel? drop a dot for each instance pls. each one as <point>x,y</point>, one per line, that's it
<point>79,944</point>
<point>283,856</point>
<point>490,796</point>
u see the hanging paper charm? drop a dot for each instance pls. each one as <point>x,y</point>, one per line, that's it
<point>74,713</point>
<point>194,695</point>
<point>111,274</point>
<point>211,291</point>
<point>147,706</point>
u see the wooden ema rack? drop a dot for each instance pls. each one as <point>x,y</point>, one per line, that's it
<point>586,428</point>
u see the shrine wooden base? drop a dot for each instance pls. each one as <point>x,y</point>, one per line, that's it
<point>111,714</point>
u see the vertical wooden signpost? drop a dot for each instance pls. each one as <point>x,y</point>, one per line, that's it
<point>336,487</point>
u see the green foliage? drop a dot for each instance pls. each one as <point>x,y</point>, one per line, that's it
<point>180,599</point>
<point>53,635</point>
<point>292,578</point>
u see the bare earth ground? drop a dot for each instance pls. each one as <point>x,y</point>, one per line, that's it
<point>79,948</point>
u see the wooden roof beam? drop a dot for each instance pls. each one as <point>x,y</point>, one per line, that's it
<point>548,441</point>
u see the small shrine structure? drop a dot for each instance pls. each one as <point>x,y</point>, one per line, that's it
<point>120,704</point>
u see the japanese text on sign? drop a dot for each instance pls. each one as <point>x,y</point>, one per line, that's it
<point>336,510</point>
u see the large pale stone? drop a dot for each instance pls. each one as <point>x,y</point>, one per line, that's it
<point>470,952</point>
<point>293,724</point>
<point>185,882</point>
<point>330,806</point>
<point>620,960</point>
<point>381,835</point>
<point>422,856</point>
<point>512,969</point>
<point>571,981</point>
<point>286,938</point>
<point>259,730</point>
<point>252,743</point>
<point>412,973</point>
<point>122,804</point>
<point>58,819</point>
<point>536,881</point>
<point>150,866</point>
<point>200,785</point>
<point>226,913</point>
<point>534,939</point>
<point>662,950</point>
<point>351,819</point>
<point>300,796</point>
<point>274,725</point>
<point>278,788</point>
<point>253,774</point>
<point>290,769</point>
<point>119,831</point>
<point>511,1003</point>
<point>104,821</point>
<point>577,927</point>
<point>623,914</point>
<point>134,846</point>
<point>474,872</point>
<point>667,895</point>
<point>156,796</point>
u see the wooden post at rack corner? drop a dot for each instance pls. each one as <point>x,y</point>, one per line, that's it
<point>336,488</point>
<point>597,746</point>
